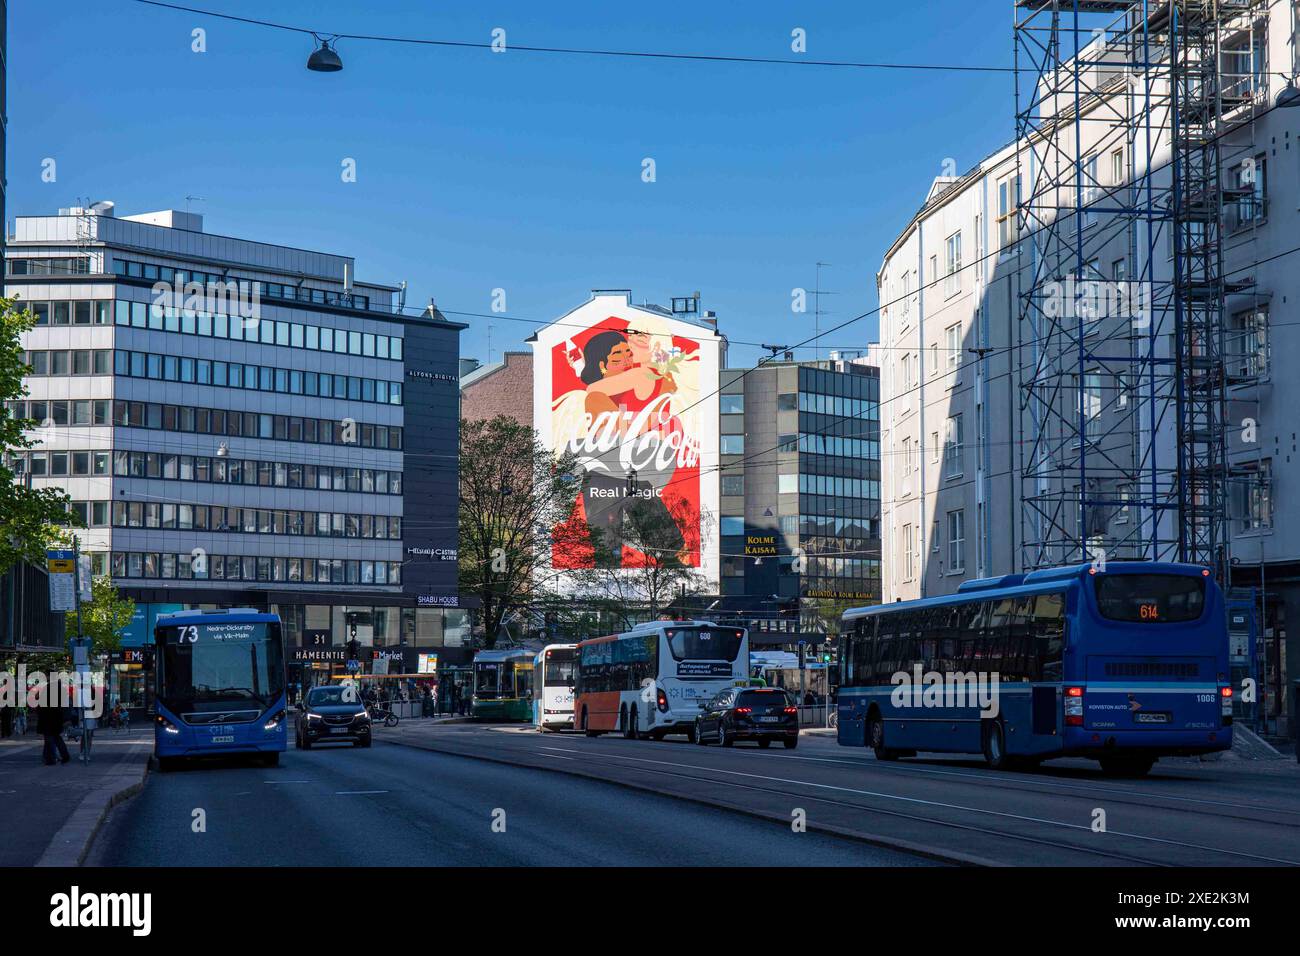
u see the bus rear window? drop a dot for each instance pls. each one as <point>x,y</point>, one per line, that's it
<point>704,643</point>
<point>1150,598</point>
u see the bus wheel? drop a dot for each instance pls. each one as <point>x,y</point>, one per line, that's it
<point>589,733</point>
<point>1126,766</point>
<point>271,760</point>
<point>632,732</point>
<point>166,764</point>
<point>995,746</point>
<point>876,739</point>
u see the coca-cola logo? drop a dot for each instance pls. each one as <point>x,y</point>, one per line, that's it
<point>649,439</point>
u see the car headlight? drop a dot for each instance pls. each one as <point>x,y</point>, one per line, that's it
<point>313,716</point>
<point>360,715</point>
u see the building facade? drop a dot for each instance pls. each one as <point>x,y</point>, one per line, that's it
<point>1017,436</point>
<point>243,424</point>
<point>800,495</point>
<point>499,388</point>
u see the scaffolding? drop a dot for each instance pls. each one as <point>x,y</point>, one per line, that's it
<point>1125,112</point>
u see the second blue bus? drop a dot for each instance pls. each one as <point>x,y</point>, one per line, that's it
<point>1123,665</point>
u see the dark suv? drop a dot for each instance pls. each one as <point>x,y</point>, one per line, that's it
<point>749,713</point>
<point>332,715</point>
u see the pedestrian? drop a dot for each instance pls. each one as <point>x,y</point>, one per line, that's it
<point>49,724</point>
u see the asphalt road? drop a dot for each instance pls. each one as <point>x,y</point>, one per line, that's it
<point>396,805</point>
<point>1227,813</point>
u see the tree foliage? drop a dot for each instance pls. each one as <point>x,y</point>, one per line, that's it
<point>104,617</point>
<point>513,495</point>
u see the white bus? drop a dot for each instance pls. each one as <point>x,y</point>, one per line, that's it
<point>553,687</point>
<point>654,679</point>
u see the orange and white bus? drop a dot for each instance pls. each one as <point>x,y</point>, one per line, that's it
<point>653,679</point>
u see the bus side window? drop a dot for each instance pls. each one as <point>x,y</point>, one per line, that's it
<point>1047,627</point>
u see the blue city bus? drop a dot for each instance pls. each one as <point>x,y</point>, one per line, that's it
<point>1122,664</point>
<point>219,685</point>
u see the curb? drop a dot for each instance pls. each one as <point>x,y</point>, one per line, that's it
<point>72,842</point>
<point>889,843</point>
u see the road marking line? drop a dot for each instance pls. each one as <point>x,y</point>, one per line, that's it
<point>945,806</point>
<point>285,781</point>
<point>352,793</point>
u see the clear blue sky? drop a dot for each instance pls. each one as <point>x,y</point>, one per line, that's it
<point>523,171</point>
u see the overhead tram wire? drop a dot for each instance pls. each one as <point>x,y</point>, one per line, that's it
<point>587,52</point>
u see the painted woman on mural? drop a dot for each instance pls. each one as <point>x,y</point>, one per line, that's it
<point>630,383</point>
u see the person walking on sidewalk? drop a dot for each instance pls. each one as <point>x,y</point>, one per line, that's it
<point>49,724</point>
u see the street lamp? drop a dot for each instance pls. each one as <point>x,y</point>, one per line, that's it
<point>324,60</point>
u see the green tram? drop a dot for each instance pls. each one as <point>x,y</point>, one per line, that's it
<point>503,685</point>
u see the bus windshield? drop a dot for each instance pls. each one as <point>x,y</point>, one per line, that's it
<point>1150,598</point>
<point>704,643</point>
<point>559,673</point>
<point>210,666</point>
<point>488,679</point>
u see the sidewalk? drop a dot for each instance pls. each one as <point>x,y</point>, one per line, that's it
<point>51,813</point>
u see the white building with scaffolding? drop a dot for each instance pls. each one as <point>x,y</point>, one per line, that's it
<point>1081,336</point>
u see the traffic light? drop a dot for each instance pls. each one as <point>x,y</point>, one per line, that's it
<point>354,648</point>
<point>803,655</point>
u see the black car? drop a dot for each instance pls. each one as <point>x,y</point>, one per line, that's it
<point>749,713</point>
<point>332,715</point>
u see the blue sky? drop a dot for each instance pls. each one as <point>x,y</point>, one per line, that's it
<point>522,171</point>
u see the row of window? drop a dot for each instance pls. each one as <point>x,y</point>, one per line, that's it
<point>733,566</point>
<point>270,290</point>
<point>238,327</point>
<point>818,444</point>
<point>208,421</point>
<point>247,471</point>
<point>320,524</point>
<point>265,378</point>
<point>839,487</point>
<point>231,567</point>
<point>60,266</point>
<point>1020,639</point>
<point>839,406</point>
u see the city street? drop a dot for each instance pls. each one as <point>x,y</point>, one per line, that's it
<point>398,806</point>
<point>569,799</point>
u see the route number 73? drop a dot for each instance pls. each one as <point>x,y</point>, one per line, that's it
<point>189,633</point>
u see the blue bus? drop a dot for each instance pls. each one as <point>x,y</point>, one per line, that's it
<point>219,685</point>
<point>1123,665</point>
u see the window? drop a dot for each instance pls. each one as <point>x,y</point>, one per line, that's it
<point>1008,200</point>
<point>954,439</point>
<point>1090,190</point>
<point>732,404</point>
<point>906,451</point>
<point>1252,497</point>
<point>957,540</point>
<point>1090,406</point>
<point>733,444</point>
<point>1124,493</point>
<point>1118,174</point>
<point>934,447</point>
<point>908,545</point>
<point>952,343</point>
<point>952,265</point>
<point>732,525</point>
<point>1247,347</point>
<point>787,484</point>
<point>1250,182</point>
<point>733,484</point>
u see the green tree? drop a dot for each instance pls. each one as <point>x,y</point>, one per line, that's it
<point>29,517</point>
<point>647,587</point>
<point>515,503</point>
<point>104,616</point>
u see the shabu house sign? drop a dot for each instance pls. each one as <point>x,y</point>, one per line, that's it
<point>437,554</point>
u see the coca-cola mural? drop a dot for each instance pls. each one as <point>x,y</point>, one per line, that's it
<point>632,393</point>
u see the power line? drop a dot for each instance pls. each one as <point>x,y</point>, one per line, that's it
<point>588,52</point>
